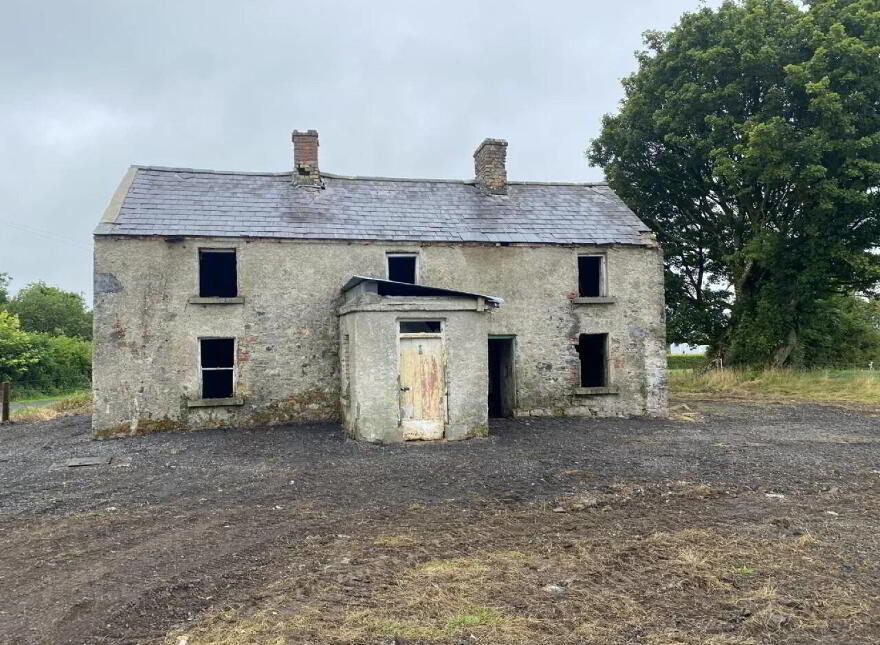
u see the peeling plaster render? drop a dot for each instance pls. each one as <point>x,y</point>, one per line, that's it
<point>287,329</point>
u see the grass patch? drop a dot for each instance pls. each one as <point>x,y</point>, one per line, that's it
<point>392,541</point>
<point>481,616</point>
<point>460,567</point>
<point>685,361</point>
<point>847,386</point>
<point>26,396</point>
<point>77,403</point>
<point>662,587</point>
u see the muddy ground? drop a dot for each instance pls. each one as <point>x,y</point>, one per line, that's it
<point>239,535</point>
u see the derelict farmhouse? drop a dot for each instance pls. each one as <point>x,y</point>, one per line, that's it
<point>404,308</point>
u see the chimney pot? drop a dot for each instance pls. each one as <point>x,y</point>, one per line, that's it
<point>490,167</point>
<point>305,158</point>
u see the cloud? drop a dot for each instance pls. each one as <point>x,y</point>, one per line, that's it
<point>395,88</point>
<point>68,124</point>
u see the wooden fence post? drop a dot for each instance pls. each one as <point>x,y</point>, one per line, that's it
<point>4,395</point>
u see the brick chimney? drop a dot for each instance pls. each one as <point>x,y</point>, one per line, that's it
<point>490,168</point>
<point>305,158</point>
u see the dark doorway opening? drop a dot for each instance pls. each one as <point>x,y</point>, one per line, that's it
<point>502,383</point>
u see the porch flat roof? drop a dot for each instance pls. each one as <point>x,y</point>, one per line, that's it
<point>392,288</point>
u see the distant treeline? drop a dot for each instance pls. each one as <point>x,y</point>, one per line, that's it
<point>45,340</point>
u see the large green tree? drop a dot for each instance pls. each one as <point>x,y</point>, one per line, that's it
<point>749,140</point>
<point>51,310</point>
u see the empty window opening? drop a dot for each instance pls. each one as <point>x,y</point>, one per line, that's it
<point>593,352</point>
<point>402,268</point>
<point>591,276</point>
<point>419,326</point>
<point>218,277</point>
<point>218,367</point>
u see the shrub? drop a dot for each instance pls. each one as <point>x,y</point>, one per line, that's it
<point>42,364</point>
<point>18,355</point>
<point>65,364</point>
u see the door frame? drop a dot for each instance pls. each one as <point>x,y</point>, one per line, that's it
<point>443,348</point>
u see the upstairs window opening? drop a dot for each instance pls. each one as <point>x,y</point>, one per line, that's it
<point>402,268</point>
<point>593,352</point>
<point>591,276</point>
<point>218,367</point>
<point>218,273</point>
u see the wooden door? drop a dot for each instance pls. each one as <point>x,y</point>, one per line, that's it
<point>422,387</point>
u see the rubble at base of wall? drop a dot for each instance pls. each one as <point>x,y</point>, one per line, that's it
<point>558,412</point>
<point>578,411</point>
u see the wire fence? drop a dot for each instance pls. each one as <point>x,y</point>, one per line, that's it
<point>23,389</point>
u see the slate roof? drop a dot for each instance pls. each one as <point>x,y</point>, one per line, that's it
<point>187,202</point>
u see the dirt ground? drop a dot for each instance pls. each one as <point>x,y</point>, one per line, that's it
<point>739,523</point>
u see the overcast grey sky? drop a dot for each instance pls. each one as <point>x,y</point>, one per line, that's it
<point>395,88</point>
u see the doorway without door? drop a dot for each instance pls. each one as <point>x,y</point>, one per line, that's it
<point>502,380</point>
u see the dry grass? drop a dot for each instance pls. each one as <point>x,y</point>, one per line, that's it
<point>394,540</point>
<point>846,386</point>
<point>690,587</point>
<point>80,403</point>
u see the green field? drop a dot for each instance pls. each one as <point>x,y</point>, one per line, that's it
<point>825,385</point>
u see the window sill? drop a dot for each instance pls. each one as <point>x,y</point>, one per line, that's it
<point>592,391</point>
<point>198,300</point>
<point>595,300</point>
<point>215,403</point>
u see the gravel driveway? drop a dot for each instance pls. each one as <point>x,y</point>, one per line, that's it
<point>772,447</point>
<point>122,551</point>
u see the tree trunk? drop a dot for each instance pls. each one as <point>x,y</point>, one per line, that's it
<point>780,359</point>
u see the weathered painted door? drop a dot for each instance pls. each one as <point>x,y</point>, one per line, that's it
<point>422,387</point>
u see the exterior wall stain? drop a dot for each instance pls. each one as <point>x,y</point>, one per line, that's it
<point>311,405</point>
<point>288,333</point>
<point>141,427</point>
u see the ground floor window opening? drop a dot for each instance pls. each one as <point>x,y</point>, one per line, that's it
<point>593,352</point>
<point>218,367</point>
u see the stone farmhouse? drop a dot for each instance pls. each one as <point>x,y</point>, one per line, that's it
<point>402,308</point>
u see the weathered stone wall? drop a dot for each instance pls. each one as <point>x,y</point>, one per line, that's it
<point>146,332</point>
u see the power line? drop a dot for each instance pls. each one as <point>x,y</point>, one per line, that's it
<point>47,235</point>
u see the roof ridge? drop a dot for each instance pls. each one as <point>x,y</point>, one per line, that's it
<point>407,179</point>
<point>208,171</point>
<point>331,175</point>
<point>585,184</point>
